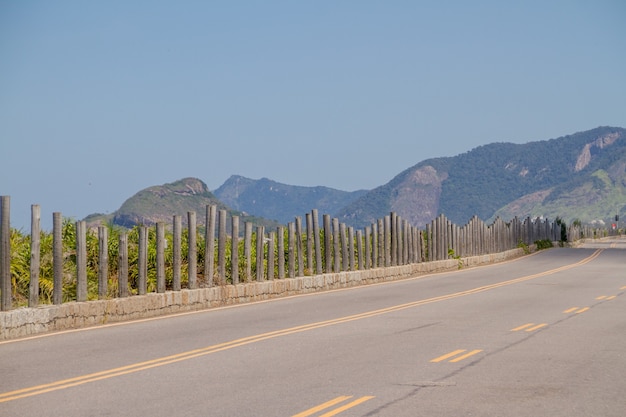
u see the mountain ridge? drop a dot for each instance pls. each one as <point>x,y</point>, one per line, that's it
<point>579,176</point>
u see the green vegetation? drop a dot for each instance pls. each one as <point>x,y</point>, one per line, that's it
<point>543,244</point>
<point>452,255</point>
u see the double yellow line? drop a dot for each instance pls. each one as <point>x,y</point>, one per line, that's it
<point>332,403</point>
<point>166,360</point>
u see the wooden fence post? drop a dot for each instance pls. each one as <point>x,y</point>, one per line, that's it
<point>103,262</point>
<point>122,266</point>
<point>291,253</point>
<point>336,242</point>
<point>209,245</point>
<point>368,247</point>
<point>299,253</point>
<point>192,250</point>
<point>359,250</point>
<point>142,261</point>
<point>260,234</point>
<point>309,244</point>
<point>57,257</point>
<point>317,243</point>
<point>351,247</point>
<point>328,250</point>
<point>247,250</point>
<point>234,257</point>
<point>81,261</point>
<point>270,256</point>
<point>387,240</point>
<point>344,246</point>
<point>176,237</point>
<point>35,255</point>
<point>281,251</point>
<point>6,302</point>
<point>221,247</point>
<point>160,256</point>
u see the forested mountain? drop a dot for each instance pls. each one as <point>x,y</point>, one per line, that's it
<point>281,202</point>
<point>579,176</point>
<point>576,177</point>
<point>161,202</point>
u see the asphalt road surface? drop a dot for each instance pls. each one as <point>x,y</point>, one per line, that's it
<point>543,335</point>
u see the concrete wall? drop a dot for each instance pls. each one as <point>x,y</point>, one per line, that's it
<point>47,318</point>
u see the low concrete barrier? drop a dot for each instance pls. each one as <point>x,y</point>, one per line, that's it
<point>47,318</point>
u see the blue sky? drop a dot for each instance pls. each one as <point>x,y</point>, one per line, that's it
<point>100,99</point>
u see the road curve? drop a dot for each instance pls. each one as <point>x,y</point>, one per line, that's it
<point>541,335</point>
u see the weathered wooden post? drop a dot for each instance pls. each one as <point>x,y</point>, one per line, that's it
<point>344,247</point>
<point>280,233</point>
<point>309,243</point>
<point>359,249</point>
<point>380,225</point>
<point>209,245</point>
<point>6,302</point>
<point>57,257</point>
<point>234,257</point>
<point>299,254</point>
<point>317,243</point>
<point>160,256</point>
<point>142,261</point>
<point>270,256</point>
<point>291,253</point>
<point>260,235</point>
<point>176,244</point>
<point>374,243</point>
<point>367,250</point>
<point>336,243</point>
<point>221,247</point>
<point>122,266</point>
<point>351,247</point>
<point>81,261</point>
<point>328,250</point>
<point>388,248</point>
<point>394,239</point>
<point>103,262</point>
<point>247,250</point>
<point>192,250</point>
<point>35,255</point>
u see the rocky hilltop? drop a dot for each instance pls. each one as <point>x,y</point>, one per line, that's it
<point>579,176</point>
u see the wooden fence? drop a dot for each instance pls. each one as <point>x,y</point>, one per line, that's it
<point>286,252</point>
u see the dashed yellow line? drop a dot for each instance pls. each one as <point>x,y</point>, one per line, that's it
<point>454,354</point>
<point>332,403</point>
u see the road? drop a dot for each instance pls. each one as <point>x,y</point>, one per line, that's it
<point>543,335</point>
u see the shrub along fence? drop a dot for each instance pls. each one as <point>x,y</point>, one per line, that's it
<point>106,262</point>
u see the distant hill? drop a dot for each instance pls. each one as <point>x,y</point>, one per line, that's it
<point>576,177</point>
<point>281,202</point>
<point>580,176</point>
<point>160,203</point>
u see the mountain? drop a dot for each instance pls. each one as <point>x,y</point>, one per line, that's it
<point>580,176</point>
<point>160,203</point>
<point>281,202</point>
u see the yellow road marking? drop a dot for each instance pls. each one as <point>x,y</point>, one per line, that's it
<point>611,297</point>
<point>623,288</point>
<point>582,310</point>
<point>467,355</point>
<point>140,366</point>
<point>602,297</point>
<point>346,407</point>
<point>523,326</point>
<point>571,310</point>
<point>448,355</point>
<point>321,407</point>
<point>539,326</point>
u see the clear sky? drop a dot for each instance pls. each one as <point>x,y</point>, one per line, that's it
<point>100,99</point>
